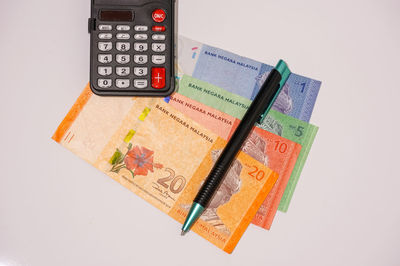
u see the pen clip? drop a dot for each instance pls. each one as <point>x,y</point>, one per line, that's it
<point>284,70</point>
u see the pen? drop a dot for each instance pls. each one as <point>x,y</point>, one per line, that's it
<point>257,112</point>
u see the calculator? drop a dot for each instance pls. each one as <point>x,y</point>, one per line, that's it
<point>132,47</point>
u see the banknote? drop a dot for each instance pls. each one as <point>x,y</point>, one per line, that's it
<point>164,156</point>
<point>273,151</point>
<point>244,77</point>
<point>235,105</point>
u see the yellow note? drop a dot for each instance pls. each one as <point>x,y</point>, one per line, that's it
<point>163,156</point>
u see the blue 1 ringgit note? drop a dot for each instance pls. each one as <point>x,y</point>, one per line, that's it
<point>244,77</point>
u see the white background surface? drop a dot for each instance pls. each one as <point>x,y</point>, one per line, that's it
<point>55,209</point>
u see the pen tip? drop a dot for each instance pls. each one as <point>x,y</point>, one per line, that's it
<point>183,233</point>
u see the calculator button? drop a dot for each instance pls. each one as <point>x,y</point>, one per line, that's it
<point>140,83</point>
<point>105,36</point>
<point>140,37</point>
<point>123,71</point>
<point>122,83</point>
<point>104,83</point>
<point>105,58</point>
<point>105,27</point>
<point>158,28</point>
<point>158,47</point>
<point>105,46</point>
<point>123,36</point>
<point>158,59</point>
<point>141,47</point>
<point>141,28</point>
<point>159,15</point>
<point>123,27</point>
<point>158,78</point>
<point>140,71</point>
<point>158,37</point>
<point>141,59</point>
<point>123,58</point>
<point>123,46</point>
<point>104,71</point>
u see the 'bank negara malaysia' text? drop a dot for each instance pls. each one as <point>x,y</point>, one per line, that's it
<point>185,124</point>
<point>230,60</point>
<point>202,111</point>
<point>217,95</point>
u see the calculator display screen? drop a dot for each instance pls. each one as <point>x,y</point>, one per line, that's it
<point>114,15</point>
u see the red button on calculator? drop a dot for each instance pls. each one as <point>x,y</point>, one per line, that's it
<point>159,15</point>
<point>158,28</point>
<point>158,78</point>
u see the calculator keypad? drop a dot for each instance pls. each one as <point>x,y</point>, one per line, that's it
<point>105,27</point>
<point>141,28</point>
<point>123,59</point>
<point>104,83</point>
<point>105,58</point>
<point>158,37</point>
<point>140,71</point>
<point>141,37</point>
<point>140,83</point>
<point>123,36</point>
<point>123,83</point>
<point>141,47</point>
<point>158,28</point>
<point>159,15</point>
<point>158,78</point>
<point>141,59</point>
<point>105,36</point>
<point>158,47</point>
<point>105,71</point>
<point>123,46</point>
<point>123,71</point>
<point>123,27</point>
<point>133,56</point>
<point>105,46</point>
<point>158,59</point>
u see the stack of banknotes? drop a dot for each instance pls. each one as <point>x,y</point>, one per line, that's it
<point>163,149</point>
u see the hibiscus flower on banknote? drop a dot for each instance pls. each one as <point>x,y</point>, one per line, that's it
<point>137,160</point>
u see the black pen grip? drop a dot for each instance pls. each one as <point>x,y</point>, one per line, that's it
<point>264,98</point>
<point>210,186</point>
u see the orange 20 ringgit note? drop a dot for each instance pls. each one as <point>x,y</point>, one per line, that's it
<point>163,156</point>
